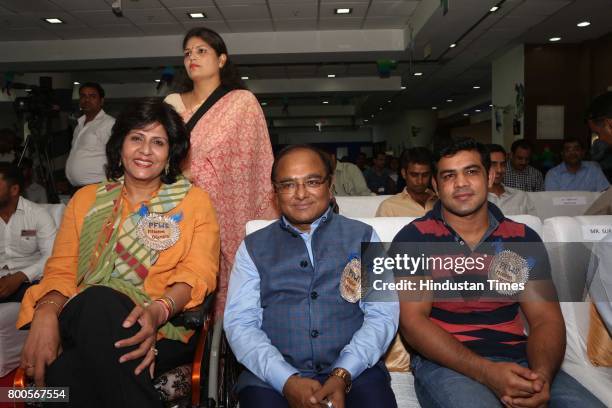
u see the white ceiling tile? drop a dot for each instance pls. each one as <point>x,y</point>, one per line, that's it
<point>21,6</point>
<point>336,2</point>
<point>222,3</point>
<point>71,33</point>
<point>218,26</point>
<point>149,16</point>
<point>97,18</point>
<point>117,30</point>
<point>246,26</point>
<point>5,12</point>
<point>287,24</point>
<point>138,4</point>
<point>293,10</point>
<point>392,8</point>
<point>162,29</point>
<point>20,21</point>
<point>187,3</point>
<point>340,23</point>
<point>385,22</point>
<point>30,34</point>
<point>244,11</point>
<point>67,18</point>
<point>328,10</point>
<point>181,13</point>
<point>80,5</point>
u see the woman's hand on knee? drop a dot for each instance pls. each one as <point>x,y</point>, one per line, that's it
<point>149,320</point>
<point>41,347</point>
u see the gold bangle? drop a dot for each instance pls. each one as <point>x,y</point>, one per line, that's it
<point>172,303</point>
<point>168,305</point>
<point>51,302</point>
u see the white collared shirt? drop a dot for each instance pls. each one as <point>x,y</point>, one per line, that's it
<point>513,202</point>
<point>26,240</point>
<point>85,164</point>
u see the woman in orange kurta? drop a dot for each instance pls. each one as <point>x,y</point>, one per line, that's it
<point>231,155</point>
<point>130,253</point>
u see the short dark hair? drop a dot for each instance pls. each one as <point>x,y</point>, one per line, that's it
<point>570,140</point>
<point>139,115</point>
<point>419,155</point>
<point>230,78</point>
<point>522,143</point>
<point>465,145</point>
<point>12,174</point>
<point>322,155</point>
<point>95,86</point>
<point>495,148</point>
<point>600,108</point>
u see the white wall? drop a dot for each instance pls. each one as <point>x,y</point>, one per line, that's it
<point>508,70</point>
<point>408,129</point>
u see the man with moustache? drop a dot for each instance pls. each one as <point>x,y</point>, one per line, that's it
<point>417,198</point>
<point>519,174</point>
<point>473,353</point>
<point>27,232</point>
<point>574,174</point>
<point>510,200</point>
<point>85,164</point>
<point>305,338</point>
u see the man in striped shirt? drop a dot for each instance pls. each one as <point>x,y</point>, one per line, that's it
<point>474,352</point>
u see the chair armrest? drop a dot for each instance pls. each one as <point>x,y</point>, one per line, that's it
<point>195,317</point>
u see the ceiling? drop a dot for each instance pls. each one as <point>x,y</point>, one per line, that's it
<point>275,41</point>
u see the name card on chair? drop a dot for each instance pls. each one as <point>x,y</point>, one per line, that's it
<point>577,200</point>
<point>595,232</point>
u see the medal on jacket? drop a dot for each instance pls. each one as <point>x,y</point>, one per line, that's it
<point>156,231</point>
<point>509,267</point>
<point>350,282</point>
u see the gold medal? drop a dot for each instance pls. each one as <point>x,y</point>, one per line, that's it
<point>509,267</point>
<point>157,232</point>
<point>350,282</point>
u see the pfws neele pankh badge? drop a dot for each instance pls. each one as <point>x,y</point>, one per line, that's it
<point>508,267</point>
<point>350,282</point>
<point>157,232</point>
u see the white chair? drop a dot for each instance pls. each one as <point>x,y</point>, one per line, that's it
<point>562,203</point>
<point>360,206</point>
<point>569,264</point>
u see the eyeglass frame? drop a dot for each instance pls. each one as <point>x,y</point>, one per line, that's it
<point>302,182</point>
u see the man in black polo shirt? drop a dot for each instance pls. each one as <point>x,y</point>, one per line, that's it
<point>473,352</point>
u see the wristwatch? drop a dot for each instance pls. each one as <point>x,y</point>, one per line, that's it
<point>344,375</point>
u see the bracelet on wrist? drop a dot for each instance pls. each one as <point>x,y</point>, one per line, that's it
<point>165,308</point>
<point>49,302</point>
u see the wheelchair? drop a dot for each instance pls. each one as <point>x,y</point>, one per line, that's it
<point>205,383</point>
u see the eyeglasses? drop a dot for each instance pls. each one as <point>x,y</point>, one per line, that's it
<point>291,186</point>
<point>198,51</point>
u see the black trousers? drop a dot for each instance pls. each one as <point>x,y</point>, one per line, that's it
<point>90,324</point>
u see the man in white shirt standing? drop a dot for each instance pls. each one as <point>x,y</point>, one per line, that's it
<point>510,201</point>
<point>87,157</point>
<point>27,232</point>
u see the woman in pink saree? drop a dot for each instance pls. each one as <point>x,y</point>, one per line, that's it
<point>231,156</point>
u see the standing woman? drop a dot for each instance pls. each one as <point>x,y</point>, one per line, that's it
<point>231,156</point>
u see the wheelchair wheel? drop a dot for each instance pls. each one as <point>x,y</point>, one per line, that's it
<point>229,369</point>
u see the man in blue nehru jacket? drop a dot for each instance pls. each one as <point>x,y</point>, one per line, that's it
<point>294,317</point>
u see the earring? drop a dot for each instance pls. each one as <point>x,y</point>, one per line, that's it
<point>167,168</point>
<point>120,164</point>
